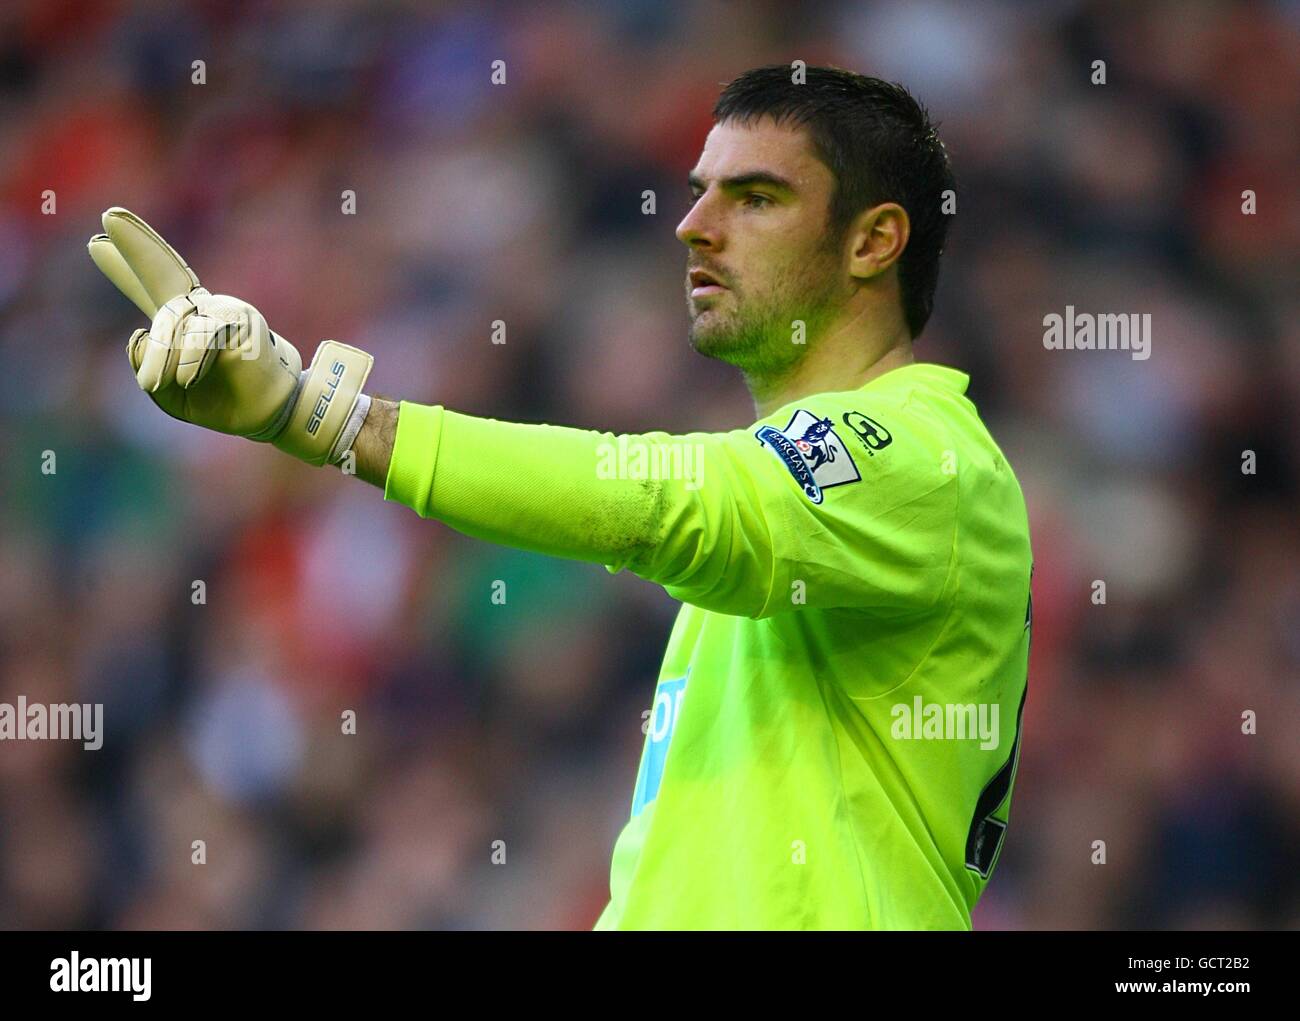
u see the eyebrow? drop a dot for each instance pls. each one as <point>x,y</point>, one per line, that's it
<point>746,180</point>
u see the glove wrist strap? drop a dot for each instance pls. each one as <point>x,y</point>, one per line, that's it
<point>326,404</point>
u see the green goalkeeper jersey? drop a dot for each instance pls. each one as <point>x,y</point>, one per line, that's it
<point>833,738</point>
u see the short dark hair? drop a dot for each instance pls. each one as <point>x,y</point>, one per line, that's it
<point>879,144</point>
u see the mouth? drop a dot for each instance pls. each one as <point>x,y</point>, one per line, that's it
<point>703,284</point>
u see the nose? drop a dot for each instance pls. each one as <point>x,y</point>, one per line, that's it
<point>697,230</point>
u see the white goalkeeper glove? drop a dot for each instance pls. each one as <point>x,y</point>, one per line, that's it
<point>210,359</point>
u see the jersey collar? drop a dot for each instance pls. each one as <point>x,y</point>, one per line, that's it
<point>942,376</point>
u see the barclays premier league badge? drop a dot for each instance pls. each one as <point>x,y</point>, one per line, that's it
<point>812,452</point>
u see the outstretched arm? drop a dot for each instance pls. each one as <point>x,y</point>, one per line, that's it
<point>734,522</point>
<point>718,519</point>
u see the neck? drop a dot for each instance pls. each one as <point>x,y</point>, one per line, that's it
<point>841,361</point>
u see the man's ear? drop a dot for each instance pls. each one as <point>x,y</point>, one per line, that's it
<point>878,236</point>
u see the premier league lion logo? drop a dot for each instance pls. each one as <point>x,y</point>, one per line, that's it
<point>815,445</point>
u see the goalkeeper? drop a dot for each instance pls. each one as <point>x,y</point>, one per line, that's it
<point>834,735</point>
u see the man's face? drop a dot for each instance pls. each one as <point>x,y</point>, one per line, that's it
<point>758,228</point>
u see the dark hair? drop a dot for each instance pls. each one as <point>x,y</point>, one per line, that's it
<point>879,144</point>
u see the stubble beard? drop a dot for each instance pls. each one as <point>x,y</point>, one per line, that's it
<point>757,333</point>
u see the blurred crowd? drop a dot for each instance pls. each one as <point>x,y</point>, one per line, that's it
<point>228,606</point>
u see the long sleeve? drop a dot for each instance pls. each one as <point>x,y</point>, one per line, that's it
<point>738,522</point>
